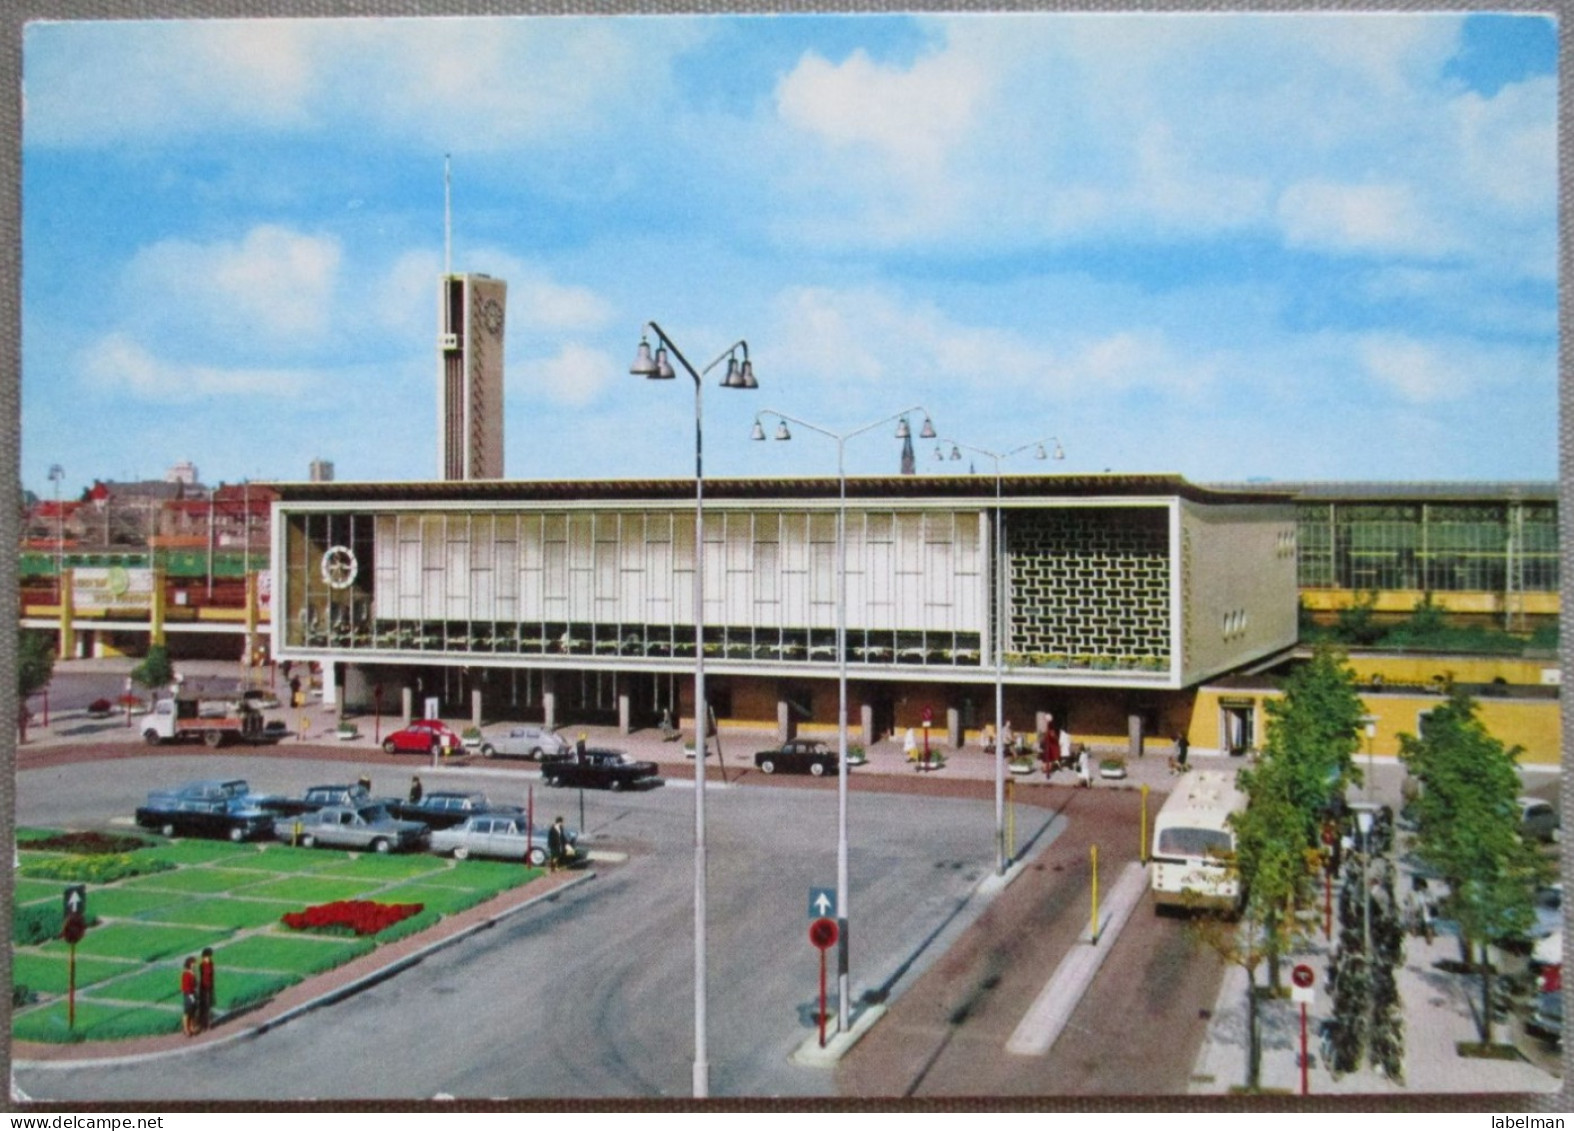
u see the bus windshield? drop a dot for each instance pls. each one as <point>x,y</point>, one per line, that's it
<point>1178,840</point>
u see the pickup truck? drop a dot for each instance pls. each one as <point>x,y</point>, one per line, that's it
<point>597,769</point>
<point>365,827</point>
<point>213,720</point>
<point>222,809</point>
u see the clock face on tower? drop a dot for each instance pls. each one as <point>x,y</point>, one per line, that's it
<point>491,312</point>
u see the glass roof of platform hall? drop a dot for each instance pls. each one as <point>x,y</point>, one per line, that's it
<point>1414,492</point>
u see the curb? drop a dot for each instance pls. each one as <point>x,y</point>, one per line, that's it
<point>328,997</point>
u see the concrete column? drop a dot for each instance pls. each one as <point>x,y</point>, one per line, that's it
<point>1134,735</point>
<point>866,723</point>
<point>475,707</point>
<point>156,614</point>
<point>549,699</point>
<point>68,642</point>
<point>784,727</point>
<point>406,705</point>
<point>625,714</point>
<point>953,728</point>
<point>251,620</point>
<point>330,683</point>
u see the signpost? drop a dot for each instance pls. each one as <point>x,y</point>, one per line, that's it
<point>74,902</point>
<point>822,933</point>
<point>927,717</point>
<point>1301,979</point>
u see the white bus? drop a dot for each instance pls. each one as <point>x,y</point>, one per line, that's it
<point>1193,844</point>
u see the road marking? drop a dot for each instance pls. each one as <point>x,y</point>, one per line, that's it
<point>1047,1016</point>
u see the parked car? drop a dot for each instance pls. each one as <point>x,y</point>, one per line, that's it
<point>367,827</point>
<point>597,769</point>
<point>499,835</point>
<point>526,741</point>
<point>221,809</point>
<point>317,797</point>
<point>423,736</point>
<point>800,756</point>
<point>444,809</point>
<point>1539,820</point>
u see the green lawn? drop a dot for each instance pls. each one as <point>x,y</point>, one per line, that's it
<point>50,973</point>
<point>291,953</point>
<point>198,880</point>
<point>229,897</point>
<point>140,941</point>
<point>236,913</point>
<point>33,891</point>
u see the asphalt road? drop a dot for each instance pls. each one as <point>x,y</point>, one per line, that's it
<point>590,995</point>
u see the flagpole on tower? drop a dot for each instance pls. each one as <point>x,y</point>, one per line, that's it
<point>448,222</point>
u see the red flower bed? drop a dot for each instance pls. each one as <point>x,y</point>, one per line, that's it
<point>362,916</point>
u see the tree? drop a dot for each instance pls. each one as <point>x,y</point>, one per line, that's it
<point>1468,831</point>
<point>1307,760</point>
<point>1314,732</point>
<point>155,671</point>
<point>1240,944</point>
<point>35,666</point>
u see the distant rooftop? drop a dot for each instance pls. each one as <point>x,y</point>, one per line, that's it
<point>1376,491</point>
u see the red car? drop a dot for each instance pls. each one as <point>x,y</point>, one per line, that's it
<point>423,736</point>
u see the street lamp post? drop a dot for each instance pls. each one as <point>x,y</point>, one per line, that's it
<point>740,375</point>
<point>1039,452</point>
<point>927,432</point>
<point>56,474</point>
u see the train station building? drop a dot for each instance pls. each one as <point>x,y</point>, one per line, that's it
<point>1120,595</point>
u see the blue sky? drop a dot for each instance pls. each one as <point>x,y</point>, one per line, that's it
<point>1314,246</point>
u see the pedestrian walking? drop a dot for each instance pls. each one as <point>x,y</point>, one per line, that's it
<point>1007,739</point>
<point>205,989</point>
<point>188,997</point>
<point>1084,767</point>
<point>986,738</point>
<point>1049,745</point>
<point>1182,748</point>
<point>557,845</point>
<point>416,791</point>
<point>910,745</point>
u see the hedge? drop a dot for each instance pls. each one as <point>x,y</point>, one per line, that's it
<point>93,869</point>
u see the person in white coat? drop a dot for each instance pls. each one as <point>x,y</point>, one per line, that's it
<point>1084,767</point>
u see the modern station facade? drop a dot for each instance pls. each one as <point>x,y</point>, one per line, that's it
<point>573,601</point>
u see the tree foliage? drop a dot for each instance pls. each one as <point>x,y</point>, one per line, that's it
<point>35,667</point>
<point>1468,831</point>
<point>155,670</point>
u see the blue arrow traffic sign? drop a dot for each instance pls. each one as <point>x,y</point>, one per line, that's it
<point>822,903</point>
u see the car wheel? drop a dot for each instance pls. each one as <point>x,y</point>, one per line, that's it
<point>461,853</point>
<point>150,737</point>
<point>380,846</point>
<point>212,738</point>
<point>389,747</point>
<point>615,785</point>
<point>237,835</point>
<point>817,769</point>
<point>535,754</point>
<point>486,750</point>
<point>767,767</point>
<point>308,841</point>
<point>167,831</point>
<point>537,856</point>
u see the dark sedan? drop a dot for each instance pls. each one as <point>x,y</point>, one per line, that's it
<point>222,809</point>
<point>597,769</point>
<point>800,756</point>
<point>445,809</point>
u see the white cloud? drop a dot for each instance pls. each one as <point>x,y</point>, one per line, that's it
<point>1451,369</point>
<point>574,376</point>
<point>912,116</point>
<point>117,364</point>
<point>273,283</point>
<point>1371,218</point>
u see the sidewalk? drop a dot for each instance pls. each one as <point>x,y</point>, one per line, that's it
<point>1437,1017</point>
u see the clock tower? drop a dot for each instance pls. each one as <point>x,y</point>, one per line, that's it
<point>470,377</point>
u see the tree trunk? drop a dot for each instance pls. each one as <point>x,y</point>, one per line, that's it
<point>1271,939</point>
<point>1486,997</point>
<point>1253,1037</point>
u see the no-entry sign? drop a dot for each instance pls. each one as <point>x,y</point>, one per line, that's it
<point>1302,978</point>
<point>822,933</point>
